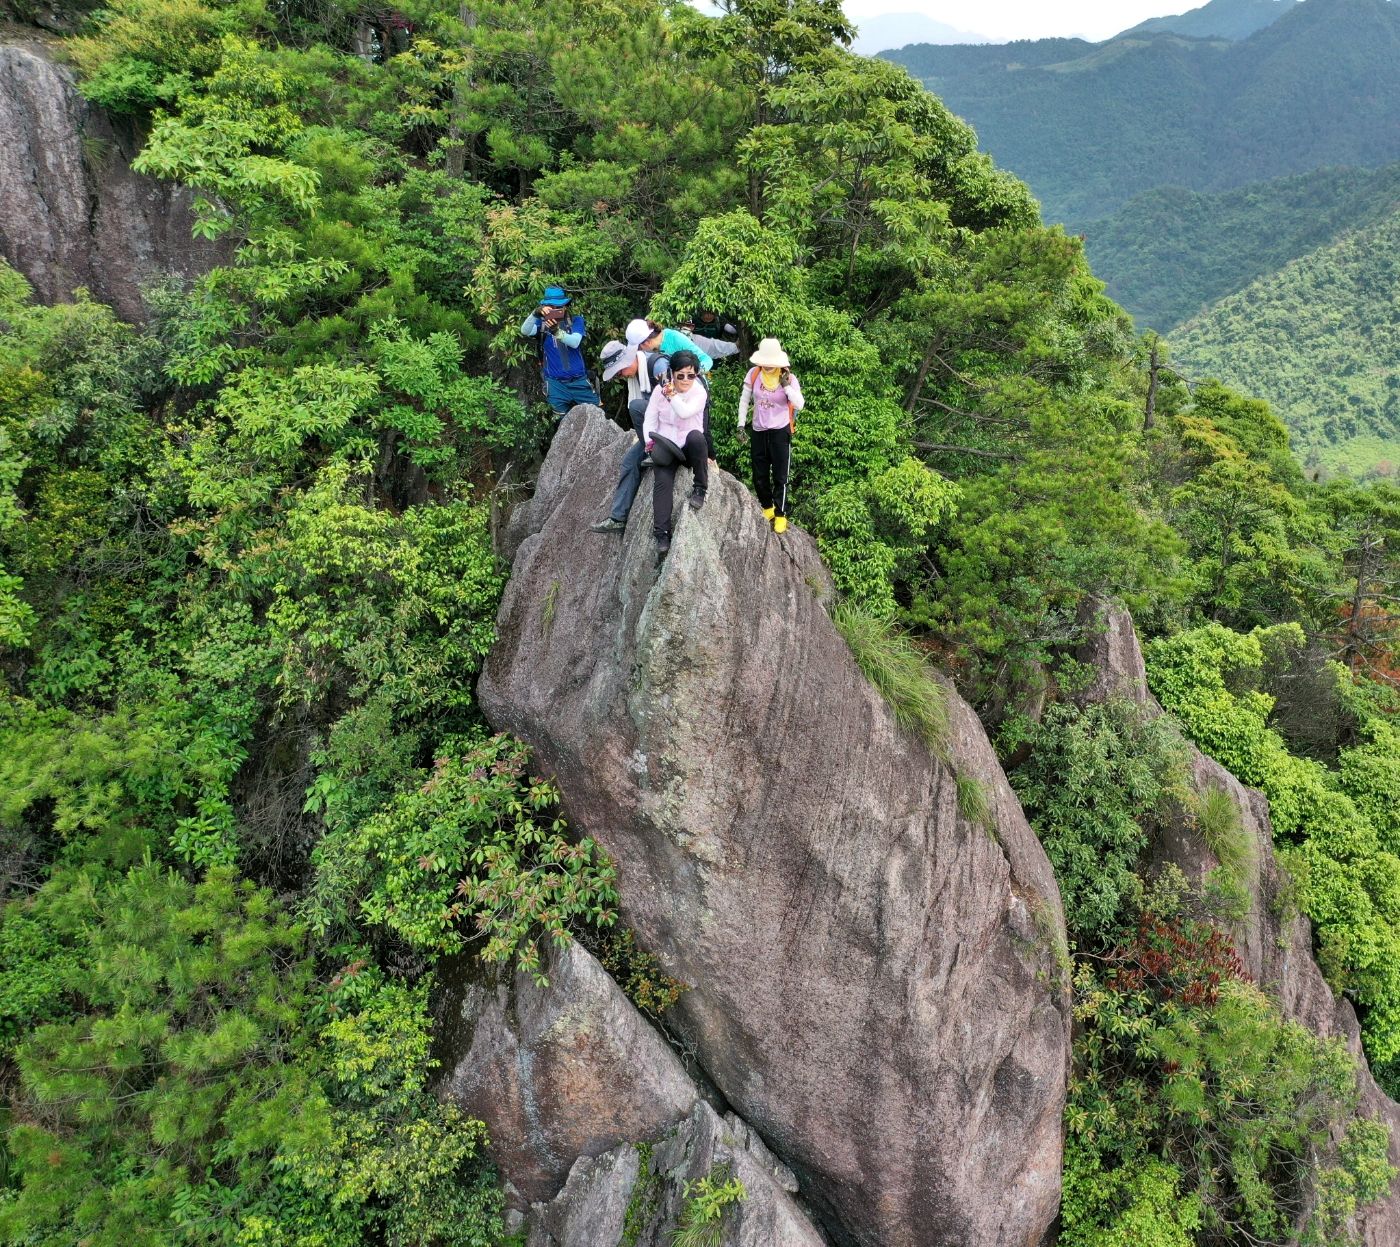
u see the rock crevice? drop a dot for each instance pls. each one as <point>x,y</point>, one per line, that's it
<point>72,212</point>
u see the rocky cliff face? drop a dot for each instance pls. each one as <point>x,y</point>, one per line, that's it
<point>595,1122</point>
<point>875,978</point>
<point>1274,941</point>
<point>72,213</point>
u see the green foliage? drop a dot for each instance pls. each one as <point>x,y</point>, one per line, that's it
<point>1231,488</point>
<point>203,1086</point>
<point>645,1201</point>
<point>638,972</point>
<point>1093,783</point>
<point>35,968</point>
<point>112,784</point>
<point>901,675</point>
<point>701,1223</point>
<point>735,262</point>
<point>1142,1206</point>
<point>1208,679</point>
<point>973,802</point>
<point>1328,388</point>
<point>1169,252</point>
<point>874,533</point>
<point>1218,820</point>
<point>1031,540</point>
<point>478,841</point>
<point>393,1161</point>
<point>173,1073</point>
<point>1194,1108</point>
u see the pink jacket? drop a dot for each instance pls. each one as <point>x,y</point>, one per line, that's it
<point>676,417</point>
<point>770,407</point>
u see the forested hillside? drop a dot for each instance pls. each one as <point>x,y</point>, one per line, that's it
<point>1168,254</point>
<point>1091,125</point>
<point>1320,339</point>
<point>252,556</point>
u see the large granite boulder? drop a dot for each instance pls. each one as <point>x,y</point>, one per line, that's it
<point>642,1191</point>
<point>1273,939</point>
<point>592,1115</point>
<point>72,213</point>
<point>876,976</point>
<point>557,1073</point>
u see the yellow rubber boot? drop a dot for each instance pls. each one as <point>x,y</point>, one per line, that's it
<point>780,524</point>
<point>768,513</point>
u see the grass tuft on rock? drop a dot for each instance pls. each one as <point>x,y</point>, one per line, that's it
<point>1218,819</point>
<point>899,673</point>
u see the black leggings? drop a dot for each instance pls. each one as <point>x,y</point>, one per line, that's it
<point>772,453</point>
<point>664,466</point>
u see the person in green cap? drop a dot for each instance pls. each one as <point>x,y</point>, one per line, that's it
<point>560,333</point>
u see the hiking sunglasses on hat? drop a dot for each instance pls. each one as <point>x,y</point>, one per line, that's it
<point>614,357</point>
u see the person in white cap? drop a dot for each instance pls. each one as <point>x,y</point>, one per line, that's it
<point>648,336</point>
<point>776,397</point>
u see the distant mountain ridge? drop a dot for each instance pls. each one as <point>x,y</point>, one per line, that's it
<point>897,30</point>
<point>1220,19</point>
<point>1091,125</point>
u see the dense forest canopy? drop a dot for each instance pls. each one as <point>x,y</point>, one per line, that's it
<point>1169,253</point>
<point>247,577</point>
<point>1319,339</point>
<point>1167,151</point>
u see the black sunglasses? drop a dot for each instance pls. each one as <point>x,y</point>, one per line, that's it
<point>684,376</point>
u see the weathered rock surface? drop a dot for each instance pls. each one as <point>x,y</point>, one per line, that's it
<point>593,1208</point>
<point>874,979</point>
<point>1274,941</point>
<point>559,1072</point>
<point>62,18</point>
<point>72,213</point>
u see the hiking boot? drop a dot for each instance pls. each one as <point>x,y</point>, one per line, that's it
<point>780,524</point>
<point>769,513</point>
<point>697,499</point>
<point>608,525</point>
<point>663,545</point>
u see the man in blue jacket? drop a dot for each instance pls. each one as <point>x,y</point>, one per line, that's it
<point>560,335</point>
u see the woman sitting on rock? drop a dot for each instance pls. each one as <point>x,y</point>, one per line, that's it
<point>777,398</point>
<point>677,430</point>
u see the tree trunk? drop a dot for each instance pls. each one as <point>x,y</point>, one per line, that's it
<point>1355,625</point>
<point>1154,364</point>
<point>457,141</point>
<point>918,387</point>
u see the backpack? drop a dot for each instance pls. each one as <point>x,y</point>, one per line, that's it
<point>752,379</point>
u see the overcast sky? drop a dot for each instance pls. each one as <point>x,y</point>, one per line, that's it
<point>1028,19</point>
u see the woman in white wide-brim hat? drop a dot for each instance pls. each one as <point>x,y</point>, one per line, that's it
<point>777,398</point>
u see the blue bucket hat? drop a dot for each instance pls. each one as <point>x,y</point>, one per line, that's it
<point>555,296</point>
